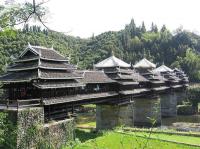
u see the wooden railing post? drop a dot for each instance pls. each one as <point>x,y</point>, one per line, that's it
<point>7,103</point>
<point>17,104</point>
<point>41,101</point>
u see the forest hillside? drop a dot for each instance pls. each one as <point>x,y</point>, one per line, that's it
<point>178,49</point>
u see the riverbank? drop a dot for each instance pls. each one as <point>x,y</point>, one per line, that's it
<point>119,139</point>
<point>87,119</point>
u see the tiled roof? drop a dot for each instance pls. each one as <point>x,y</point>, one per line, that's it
<point>19,76</point>
<point>181,75</point>
<point>36,68</point>
<point>154,77</point>
<point>26,59</point>
<point>124,76</point>
<point>162,68</point>
<point>144,63</point>
<point>50,101</point>
<point>95,77</point>
<point>40,64</point>
<point>118,70</point>
<point>48,53</point>
<point>132,77</point>
<point>112,62</point>
<point>55,65</point>
<point>22,66</point>
<point>139,78</point>
<point>57,74</point>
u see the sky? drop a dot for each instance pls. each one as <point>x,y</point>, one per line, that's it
<point>87,17</point>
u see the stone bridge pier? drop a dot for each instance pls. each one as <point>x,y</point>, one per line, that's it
<point>169,101</point>
<point>141,112</point>
<point>111,116</point>
<point>181,95</point>
<point>147,112</point>
<point>168,104</point>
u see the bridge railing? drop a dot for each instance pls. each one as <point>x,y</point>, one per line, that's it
<point>7,103</point>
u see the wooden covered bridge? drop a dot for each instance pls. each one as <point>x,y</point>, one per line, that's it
<point>124,94</point>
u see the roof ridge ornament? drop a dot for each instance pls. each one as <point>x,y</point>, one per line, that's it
<point>52,47</point>
<point>113,54</point>
<point>29,44</point>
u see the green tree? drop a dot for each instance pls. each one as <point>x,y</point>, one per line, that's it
<point>143,28</point>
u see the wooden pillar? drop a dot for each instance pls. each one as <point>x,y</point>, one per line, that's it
<point>72,108</point>
<point>49,108</point>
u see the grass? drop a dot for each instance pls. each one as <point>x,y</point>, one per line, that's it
<point>158,130</point>
<point>86,120</point>
<point>128,140</point>
<point>114,140</point>
<point>87,125</point>
<point>170,137</point>
<point>92,106</point>
<point>85,134</point>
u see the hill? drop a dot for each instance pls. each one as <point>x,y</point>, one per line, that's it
<point>179,49</point>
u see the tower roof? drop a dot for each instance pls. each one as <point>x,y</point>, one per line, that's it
<point>112,62</point>
<point>39,63</point>
<point>40,52</point>
<point>144,63</point>
<point>162,68</point>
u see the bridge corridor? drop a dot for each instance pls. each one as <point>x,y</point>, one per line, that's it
<point>43,87</point>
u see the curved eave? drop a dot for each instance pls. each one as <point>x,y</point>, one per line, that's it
<point>144,67</point>
<point>52,68</point>
<point>31,68</point>
<point>58,60</point>
<point>67,78</point>
<point>162,88</point>
<point>25,60</point>
<point>128,83</point>
<point>100,82</point>
<point>177,86</point>
<point>15,81</point>
<point>102,67</point>
<point>22,69</point>
<point>111,72</point>
<point>61,86</point>
<point>157,82</point>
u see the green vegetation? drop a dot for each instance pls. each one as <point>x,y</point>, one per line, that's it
<point>92,106</point>
<point>129,137</point>
<point>17,13</point>
<point>185,109</point>
<point>193,94</point>
<point>130,44</point>
<point>169,137</point>
<point>114,140</point>
<point>7,131</point>
<point>86,120</point>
